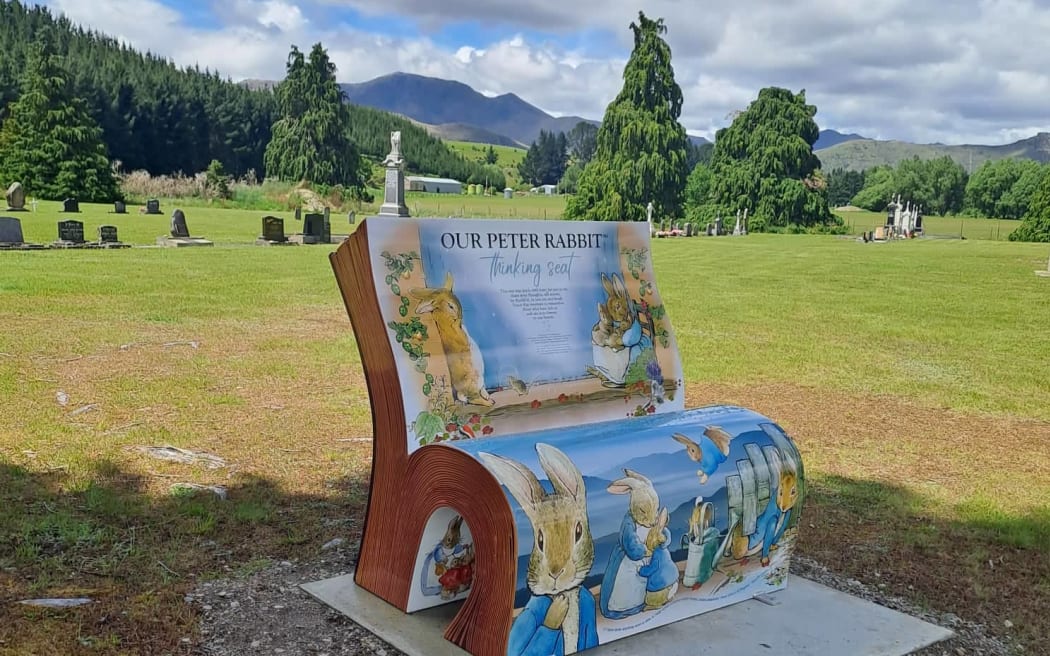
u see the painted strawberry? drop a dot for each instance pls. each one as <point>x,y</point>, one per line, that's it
<point>536,403</point>
<point>487,430</point>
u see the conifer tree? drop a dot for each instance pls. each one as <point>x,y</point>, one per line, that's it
<point>49,140</point>
<point>311,138</point>
<point>1036,223</point>
<point>764,162</point>
<point>641,153</point>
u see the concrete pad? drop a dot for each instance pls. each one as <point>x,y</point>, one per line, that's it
<point>804,619</point>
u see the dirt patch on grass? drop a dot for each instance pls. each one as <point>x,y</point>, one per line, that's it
<point>946,511</point>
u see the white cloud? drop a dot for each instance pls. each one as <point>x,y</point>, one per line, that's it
<point>941,70</point>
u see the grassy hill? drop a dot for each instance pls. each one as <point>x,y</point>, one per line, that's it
<point>507,157</point>
<point>860,154</point>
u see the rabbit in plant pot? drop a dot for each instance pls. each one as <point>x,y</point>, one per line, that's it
<point>559,617</point>
<point>623,586</point>
<point>465,366</point>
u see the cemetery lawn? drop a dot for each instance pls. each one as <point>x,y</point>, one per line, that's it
<point>913,376</point>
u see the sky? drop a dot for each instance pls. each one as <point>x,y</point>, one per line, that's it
<point>947,71</point>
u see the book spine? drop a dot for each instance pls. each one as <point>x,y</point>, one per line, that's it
<point>406,490</point>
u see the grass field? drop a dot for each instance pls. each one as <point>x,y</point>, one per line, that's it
<point>912,374</point>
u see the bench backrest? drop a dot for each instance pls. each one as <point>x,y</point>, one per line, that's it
<point>504,326</point>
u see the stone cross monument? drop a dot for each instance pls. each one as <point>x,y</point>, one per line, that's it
<point>649,218</point>
<point>394,190</point>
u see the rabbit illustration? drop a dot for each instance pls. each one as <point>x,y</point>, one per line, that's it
<point>617,327</point>
<point>559,617</point>
<point>623,587</point>
<point>710,452</point>
<point>770,524</point>
<point>441,557</point>
<point>465,365</point>
<point>459,575</point>
<point>661,574</point>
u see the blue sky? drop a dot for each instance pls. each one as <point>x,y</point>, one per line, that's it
<point>951,71</point>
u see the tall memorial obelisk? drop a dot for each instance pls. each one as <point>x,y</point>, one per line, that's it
<point>394,189</point>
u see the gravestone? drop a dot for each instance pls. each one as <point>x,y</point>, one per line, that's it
<point>11,235</point>
<point>119,207</point>
<point>180,233</point>
<point>10,230</point>
<point>178,224</point>
<point>394,189</point>
<point>719,230</point>
<point>326,227</point>
<point>70,205</point>
<point>689,230</point>
<point>352,217</point>
<point>272,232</point>
<point>70,234</point>
<point>313,228</point>
<point>107,238</point>
<point>152,206</point>
<point>16,198</point>
<point>298,214</point>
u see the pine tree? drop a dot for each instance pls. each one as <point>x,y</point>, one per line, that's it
<point>311,139</point>
<point>764,162</point>
<point>641,151</point>
<point>49,140</point>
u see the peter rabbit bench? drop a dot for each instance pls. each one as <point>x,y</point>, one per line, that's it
<point>532,450</point>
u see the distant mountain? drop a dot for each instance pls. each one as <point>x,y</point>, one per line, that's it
<point>860,154</point>
<point>437,102</point>
<point>829,138</point>
<point>464,132</point>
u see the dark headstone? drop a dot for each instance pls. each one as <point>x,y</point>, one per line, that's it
<point>71,232</point>
<point>16,197</point>
<point>298,214</point>
<point>313,225</point>
<point>718,226</point>
<point>119,207</point>
<point>273,229</point>
<point>326,227</point>
<point>10,230</point>
<point>178,224</point>
<point>352,217</point>
<point>152,206</point>
<point>889,216</point>
<point>70,205</point>
<point>107,234</point>
<point>918,221</point>
<point>689,230</point>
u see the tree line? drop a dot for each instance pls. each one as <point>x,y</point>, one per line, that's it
<point>60,121</point>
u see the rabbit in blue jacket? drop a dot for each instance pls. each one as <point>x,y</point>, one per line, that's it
<point>770,524</point>
<point>661,573</point>
<point>559,617</point>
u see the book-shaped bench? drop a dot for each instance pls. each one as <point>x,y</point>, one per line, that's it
<point>532,450</point>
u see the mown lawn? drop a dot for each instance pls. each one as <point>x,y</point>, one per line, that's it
<point>912,374</point>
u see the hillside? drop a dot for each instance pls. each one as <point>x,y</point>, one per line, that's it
<point>154,116</point>
<point>464,132</point>
<point>438,102</point>
<point>860,154</point>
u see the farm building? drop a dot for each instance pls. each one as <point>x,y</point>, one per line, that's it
<point>547,189</point>
<point>434,185</point>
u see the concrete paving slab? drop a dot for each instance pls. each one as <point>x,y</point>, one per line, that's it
<point>804,619</point>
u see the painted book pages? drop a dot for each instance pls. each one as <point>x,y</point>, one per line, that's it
<point>624,531</point>
<point>497,332</point>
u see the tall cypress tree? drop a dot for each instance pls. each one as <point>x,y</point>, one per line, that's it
<point>311,139</point>
<point>641,153</point>
<point>49,140</point>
